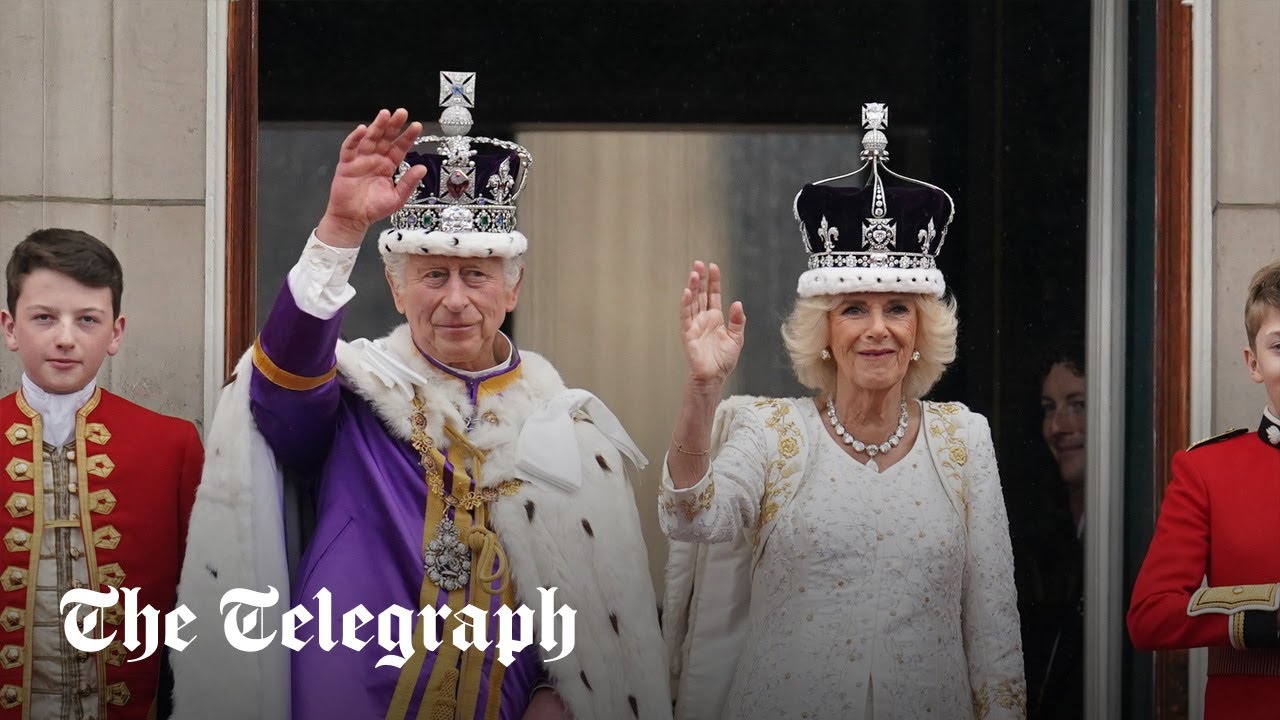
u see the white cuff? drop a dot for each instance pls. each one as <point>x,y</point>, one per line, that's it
<point>669,487</point>
<point>319,281</point>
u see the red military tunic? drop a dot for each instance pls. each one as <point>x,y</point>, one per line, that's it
<point>109,506</point>
<point>1220,520</point>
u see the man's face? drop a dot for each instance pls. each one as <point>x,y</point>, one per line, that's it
<point>1263,358</point>
<point>61,330</point>
<point>455,306</point>
<point>1062,406</point>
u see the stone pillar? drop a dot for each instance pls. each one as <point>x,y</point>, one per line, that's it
<point>1247,193</point>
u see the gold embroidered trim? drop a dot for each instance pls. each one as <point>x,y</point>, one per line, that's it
<point>1007,694</point>
<point>116,654</point>
<point>97,433</point>
<point>111,574</point>
<point>118,694</point>
<point>1235,625</point>
<point>777,485</point>
<point>102,501</point>
<point>10,696</point>
<point>956,452</point>
<point>20,470</point>
<point>1234,598</point>
<point>17,539</point>
<point>1230,433</point>
<point>13,578</point>
<point>690,507</point>
<point>20,504</point>
<point>25,408</point>
<point>100,465</point>
<point>12,619</point>
<point>283,378</point>
<point>106,537</point>
<point>19,434</point>
<point>428,454</point>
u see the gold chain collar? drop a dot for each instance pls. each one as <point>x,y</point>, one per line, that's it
<point>428,452</point>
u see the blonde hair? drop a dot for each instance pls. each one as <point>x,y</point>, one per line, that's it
<point>806,333</point>
<point>1264,292</point>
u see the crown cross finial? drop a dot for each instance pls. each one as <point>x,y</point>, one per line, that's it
<point>458,88</point>
<point>875,116</point>
<point>875,144</point>
<point>457,93</point>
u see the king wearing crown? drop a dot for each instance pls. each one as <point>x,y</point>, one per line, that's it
<point>447,470</point>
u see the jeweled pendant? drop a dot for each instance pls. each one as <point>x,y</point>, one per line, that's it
<point>446,559</point>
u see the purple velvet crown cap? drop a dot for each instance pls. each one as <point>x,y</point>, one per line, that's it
<point>882,236</point>
<point>912,208</point>
<point>487,165</point>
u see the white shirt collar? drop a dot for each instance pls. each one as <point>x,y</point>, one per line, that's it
<point>473,374</point>
<point>57,412</point>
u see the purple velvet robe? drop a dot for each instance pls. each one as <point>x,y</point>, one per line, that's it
<point>367,545</point>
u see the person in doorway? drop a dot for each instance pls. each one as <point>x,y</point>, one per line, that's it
<point>874,577</point>
<point>451,468</point>
<point>1211,577</point>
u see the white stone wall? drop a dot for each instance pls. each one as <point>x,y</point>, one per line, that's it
<point>102,129</point>
<point>1247,189</point>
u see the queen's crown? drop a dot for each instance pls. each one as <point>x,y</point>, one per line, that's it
<point>899,224</point>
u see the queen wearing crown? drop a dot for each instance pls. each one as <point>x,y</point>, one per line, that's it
<point>452,475</point>
<point>845,555</point>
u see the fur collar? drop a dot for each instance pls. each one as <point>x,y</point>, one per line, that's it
<point>501,406</point>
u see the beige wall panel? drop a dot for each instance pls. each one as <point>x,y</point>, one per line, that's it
<point>22,90</point>
<point>159,110</point>
<point>161,364</point>
<point>615,220</point>
<point>77,99</point>
<point>1248,102</point>
<point>93,218</point>
<point>1245,240</point>
<point>16,220</point>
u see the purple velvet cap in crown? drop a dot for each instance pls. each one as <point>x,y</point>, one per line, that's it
<point>875,238</point>
<point>465,206</point>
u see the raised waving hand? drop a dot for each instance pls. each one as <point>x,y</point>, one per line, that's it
<point>363,189</point>
<point>712,342</point>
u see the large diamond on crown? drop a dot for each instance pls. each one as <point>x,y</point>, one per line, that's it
<point>457,219</point>
<point>875,116</point>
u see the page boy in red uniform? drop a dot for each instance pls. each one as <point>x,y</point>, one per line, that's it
<point>1220,522</point>
<point>96,490</point>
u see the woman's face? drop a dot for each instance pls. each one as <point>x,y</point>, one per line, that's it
<point>872,337</point>
<point>1062,397</point>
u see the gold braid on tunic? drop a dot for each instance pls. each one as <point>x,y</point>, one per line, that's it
<point>453,687</point>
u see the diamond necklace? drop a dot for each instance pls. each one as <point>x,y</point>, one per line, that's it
<point>858,445</point>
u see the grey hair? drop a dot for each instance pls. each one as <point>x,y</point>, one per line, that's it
<point>806,333</point>
<point>395,263</point>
